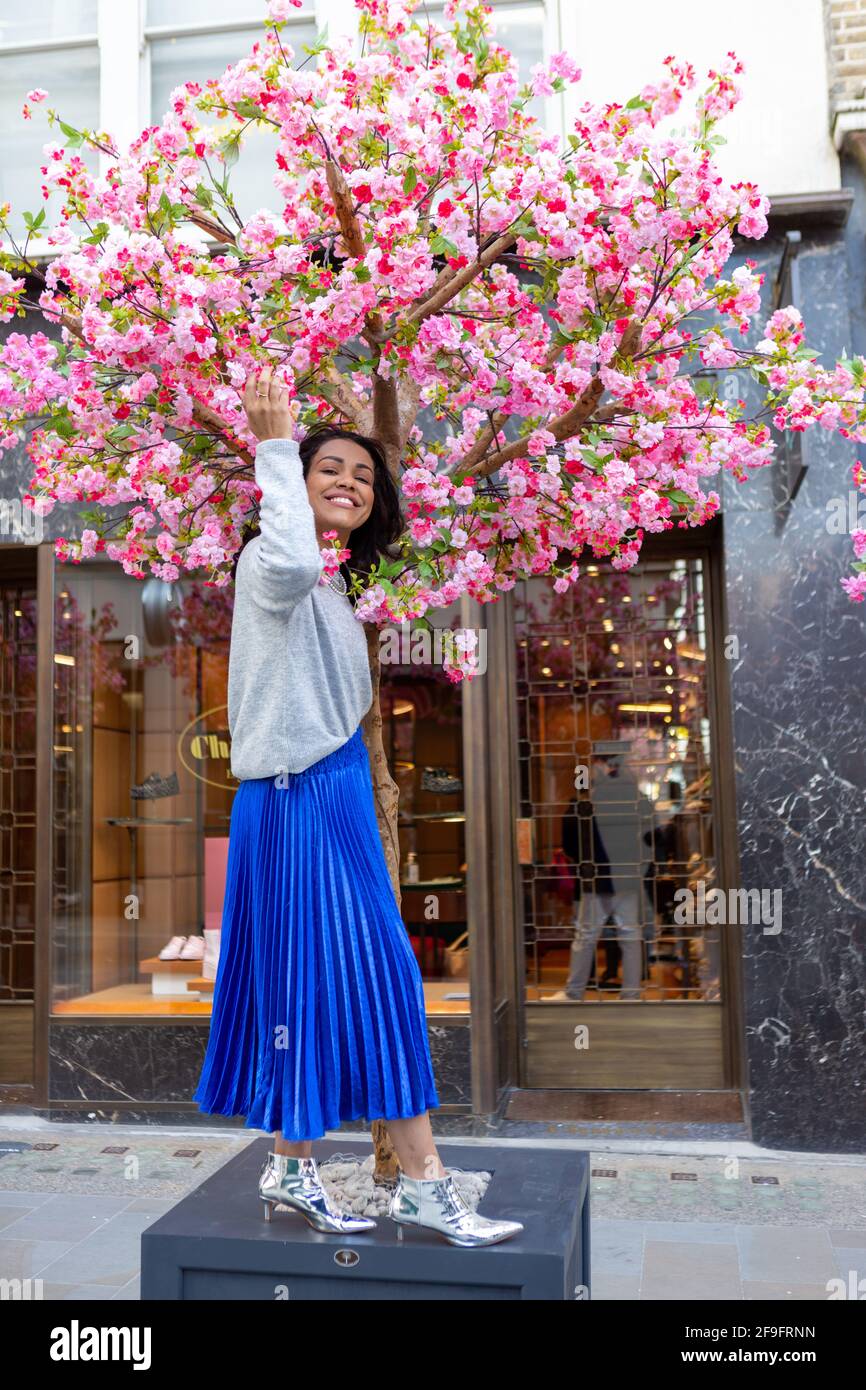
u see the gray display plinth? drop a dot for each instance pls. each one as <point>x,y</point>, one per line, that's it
<point>216,1244</point>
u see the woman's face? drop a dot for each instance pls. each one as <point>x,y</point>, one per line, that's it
<point>340,486</point>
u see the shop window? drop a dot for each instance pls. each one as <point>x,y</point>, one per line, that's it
<point>142,790</point>
<point>422,732</point>
<point>18,727</point>
<point>617,786</point>
<point>143,793</point>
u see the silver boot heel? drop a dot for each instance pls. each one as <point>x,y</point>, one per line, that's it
<point>436,1204</point>
<point>295,1183</point>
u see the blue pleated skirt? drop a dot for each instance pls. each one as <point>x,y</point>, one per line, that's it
<point>318,1009</point>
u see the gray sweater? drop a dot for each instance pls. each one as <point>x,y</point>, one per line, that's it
<point>299,677</point>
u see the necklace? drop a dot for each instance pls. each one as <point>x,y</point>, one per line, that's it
<point>337,582</point>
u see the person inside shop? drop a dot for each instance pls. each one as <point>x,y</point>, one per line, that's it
<point>604,834</point>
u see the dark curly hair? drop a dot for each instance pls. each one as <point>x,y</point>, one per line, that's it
<point>383,526</point>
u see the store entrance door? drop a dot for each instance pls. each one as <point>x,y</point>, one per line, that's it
<point>626,976</point>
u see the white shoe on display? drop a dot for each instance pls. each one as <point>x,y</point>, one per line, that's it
<point>211,952</point>
<point>173,949</point>
<point>193,949</point>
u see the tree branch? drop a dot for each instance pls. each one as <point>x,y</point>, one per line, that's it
<point>339,393</point>
<point>351,234</point>
<point>460,279</point>
<point>386,422</point>
<point>214,424</point>
<point>564,426</point>
<point>487,436</point>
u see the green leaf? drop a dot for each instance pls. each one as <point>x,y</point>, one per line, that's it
<point>230,149</point>
<point>681,498</point>
<point>203,196</point>
<point>74,137</point>
<point>361,273</point>
<point>441,246</point>
<point>319,44</point>
<point>245,107</point>
<point>411,179</point>
<point>635,103</point>
<point>119,433</point>
<point>525,229</point>
<point>100,231</point>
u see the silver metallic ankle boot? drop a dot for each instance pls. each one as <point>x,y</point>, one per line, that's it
<point>437,1204</point>
<point>295,1183</point>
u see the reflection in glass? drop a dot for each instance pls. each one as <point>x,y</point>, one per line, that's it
<point>616,780</point>
<point>422,734</point>
<point>142,787</point>
<point>165,12</point>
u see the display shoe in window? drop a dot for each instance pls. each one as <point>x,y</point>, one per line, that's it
<point>155,786</point>
<point>211,952</point>
<point>193,949</point>
<point>295,1183</point>
<point>173,949</point>
<point>436,1204</point>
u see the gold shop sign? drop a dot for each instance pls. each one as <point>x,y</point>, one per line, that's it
<point>204,748</point>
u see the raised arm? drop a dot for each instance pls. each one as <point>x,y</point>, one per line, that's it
<point>282,563</point>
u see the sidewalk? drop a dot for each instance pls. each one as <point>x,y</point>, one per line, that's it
<point>680,1222</point>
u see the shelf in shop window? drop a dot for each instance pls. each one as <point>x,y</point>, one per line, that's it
<point>131,822</point>
<point>456,883</point>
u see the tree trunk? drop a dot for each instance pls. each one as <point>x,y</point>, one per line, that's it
<point>386,796</point>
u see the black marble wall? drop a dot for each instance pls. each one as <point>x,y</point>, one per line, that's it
<point>800,766</point>
<point>148,1071</point>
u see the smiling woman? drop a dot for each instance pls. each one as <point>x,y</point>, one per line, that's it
<point>349,487</point>
<point>318,1009</point>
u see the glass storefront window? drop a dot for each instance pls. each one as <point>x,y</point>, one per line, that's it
<point>617,785</point>
<point>142,788</point>
<point>422,733</point>
<point>143,794</point>
<point>18,858</point>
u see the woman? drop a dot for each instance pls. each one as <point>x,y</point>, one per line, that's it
<point>318,1011</point>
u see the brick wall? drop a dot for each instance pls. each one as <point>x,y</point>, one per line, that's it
<point>846,49</point>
